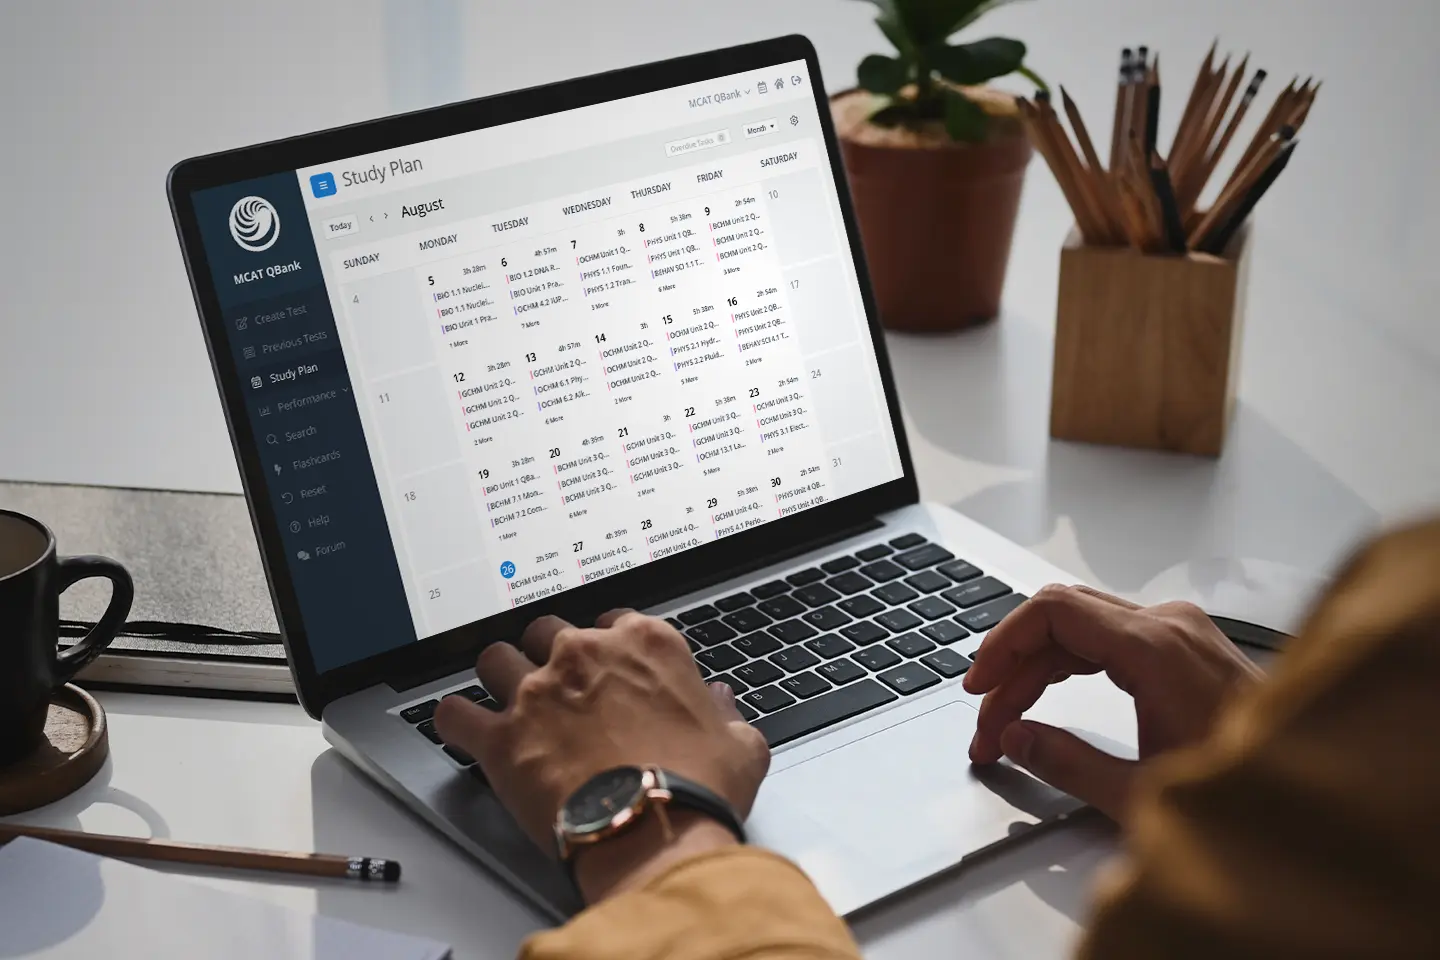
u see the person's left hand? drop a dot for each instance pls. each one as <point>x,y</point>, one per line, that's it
<point>581,701</point>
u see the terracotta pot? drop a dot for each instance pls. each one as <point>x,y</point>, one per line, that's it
<point>937,224</point>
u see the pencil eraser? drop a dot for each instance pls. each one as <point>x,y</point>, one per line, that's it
<point>392,871</point>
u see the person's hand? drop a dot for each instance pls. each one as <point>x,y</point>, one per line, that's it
<point>580,701</point>
<point>1171,658</point>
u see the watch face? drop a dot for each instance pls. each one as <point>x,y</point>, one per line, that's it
<point>596,803</point>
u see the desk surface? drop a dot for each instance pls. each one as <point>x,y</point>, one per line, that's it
<point>261,775</point>
<point>103,377</point>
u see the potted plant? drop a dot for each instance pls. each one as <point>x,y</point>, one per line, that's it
<point>936,161</point>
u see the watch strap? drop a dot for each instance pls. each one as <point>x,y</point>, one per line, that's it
<point>688,793</point>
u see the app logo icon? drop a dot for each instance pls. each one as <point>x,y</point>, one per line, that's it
<point>507,569</point>
<point>256,383</point>
<point>762,87</point>
<point>323,185</point>
<point>254,224</point>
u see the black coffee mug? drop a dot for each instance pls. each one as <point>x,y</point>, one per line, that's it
<point>31,664</point>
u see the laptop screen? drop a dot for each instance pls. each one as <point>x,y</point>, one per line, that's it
<point>486,369</point>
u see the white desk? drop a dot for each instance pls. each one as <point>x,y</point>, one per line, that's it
<point>103,378</point>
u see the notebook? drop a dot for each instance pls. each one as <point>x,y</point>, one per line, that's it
<point>57,903</point>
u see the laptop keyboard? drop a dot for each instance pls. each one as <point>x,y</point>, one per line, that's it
<point>827,643</point>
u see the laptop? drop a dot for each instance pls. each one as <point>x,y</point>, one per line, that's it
<point>599,343</point>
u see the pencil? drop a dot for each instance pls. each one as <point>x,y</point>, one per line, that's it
<point>1115,130</point>
<point>1065,152</point>
<point>1125,117</point>
<point>1240,184</point>
<point>1170,211</point>
<point>1186,146</point>
<point>1202,80</point>
<point>1220,238</point>
<point>1152,108</point>
<point>235,858</point>
<point>1196,187</point>
<point>1279,111</point>
<point>1104,187</point>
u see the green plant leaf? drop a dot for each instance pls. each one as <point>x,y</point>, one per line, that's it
<point>882,74</point>
<point>964,120</point>
<point>974,63</point>
<point>930,21</point>
<point>894,31</point>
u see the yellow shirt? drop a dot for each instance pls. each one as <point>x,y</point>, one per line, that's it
<point>1308,825</point>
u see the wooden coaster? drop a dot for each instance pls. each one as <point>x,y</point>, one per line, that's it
<point>76,743</point>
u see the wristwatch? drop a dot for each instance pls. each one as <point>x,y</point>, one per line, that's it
<point>613,801</point>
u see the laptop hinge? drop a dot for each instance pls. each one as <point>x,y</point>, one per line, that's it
<point>450,665</point>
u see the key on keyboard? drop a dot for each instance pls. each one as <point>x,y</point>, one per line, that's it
<point>960,570</point>
<point>829,646</point>
<point>894,594</point>
<point>428,729</point>
<point>767,590</point>
<point>698,615</point>
<point>747,620</point>
<point>781,608</point>
<point>922,557</point>
<point>808,575</point>
<point>987,615</point>
<point>882,570</point>
<point>861,606</point>
<point>759,644</point>
<point>758,673</point>
<point>863,633</point>
<point>877,658</point>
<point>734,602</point>
<point>910,644</point>
<point>816,595</point>
<point>947,663</point>
<point>792,631</point>
<point>874,553</point>
<point>927,581</point>
<point>848,583</point>
<point>826,618</point>
<point>907,541</point>
<point>976,592</point>
<point>840,671</point>
<point>794,660</point>
<point>839,564</point>
<point>911,678</point>
<point>804,685</point>
<point>932,608</point>
<point>419,712</point>
<point>822,711</point>
<point>944,631</point>
<point>768,699</point>
<point>723,657</point>
<point>898,621</point>
<point>711,633</point>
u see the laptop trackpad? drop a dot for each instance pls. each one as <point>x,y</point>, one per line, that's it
<point>895,807</point>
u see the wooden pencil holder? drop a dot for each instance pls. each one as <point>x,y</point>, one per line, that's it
<point>1147,347</point>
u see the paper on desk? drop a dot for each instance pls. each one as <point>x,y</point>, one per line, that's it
<point>57,903</point>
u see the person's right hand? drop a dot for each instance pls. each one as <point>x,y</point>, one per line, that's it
<point>1171,658</point>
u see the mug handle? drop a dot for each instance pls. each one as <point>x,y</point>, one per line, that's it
<point>72,571</point>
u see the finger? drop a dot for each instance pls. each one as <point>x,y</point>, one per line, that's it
<point>1107,597</point>
<point>466,725</point>
<point>607,619</point>
<point>1070,764</point>
<point>1008,702</point>
<point>1073,619</point>
<point>539,637</point>
<point>500,668</point>
<point>724,698</point>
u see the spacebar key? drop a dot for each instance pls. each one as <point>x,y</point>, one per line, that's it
<point>811,715</point>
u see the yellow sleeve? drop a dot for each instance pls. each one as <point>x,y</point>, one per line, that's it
<point>1309,824</point>
<point>732,903</point>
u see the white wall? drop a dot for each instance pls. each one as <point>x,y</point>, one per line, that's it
<point>103,375</point>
